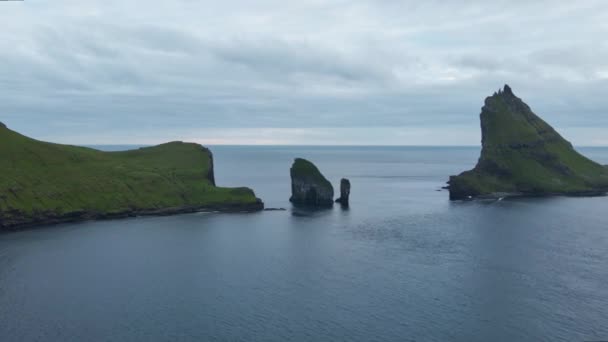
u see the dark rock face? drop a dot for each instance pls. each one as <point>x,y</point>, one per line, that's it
<point>522,155</point>
<point>2,125</point>
<point>344,192</point>
<point>308,186</point>
<point>210,173</point>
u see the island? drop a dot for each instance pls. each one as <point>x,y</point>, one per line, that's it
<point>308,186</point>
<point>44,183</point>
<point>522,155</point>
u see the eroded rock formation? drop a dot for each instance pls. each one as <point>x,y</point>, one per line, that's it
<point>308,186</point>
<point>344,192</point>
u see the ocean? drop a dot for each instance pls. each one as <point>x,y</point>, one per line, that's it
<point>403,263</point>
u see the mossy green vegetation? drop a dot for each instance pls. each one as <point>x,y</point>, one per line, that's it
<point>304,168</point>
<point>42,180</point>
<point>523,155</point>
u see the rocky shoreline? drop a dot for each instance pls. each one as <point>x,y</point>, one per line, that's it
<point>15,222</point>
<point>502,195</point>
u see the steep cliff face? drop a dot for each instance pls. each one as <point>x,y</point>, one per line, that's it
<point>45,183</point>
<point>210,172</point>
<point>523,155</point>
<point>308,186</point>
<point>344,192</point>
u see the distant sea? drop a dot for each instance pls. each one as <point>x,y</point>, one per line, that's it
<point>402,264</point>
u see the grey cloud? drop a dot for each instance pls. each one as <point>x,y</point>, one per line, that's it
<point>125,66</point>
<point>286,58</point>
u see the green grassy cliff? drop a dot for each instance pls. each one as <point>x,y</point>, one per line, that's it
<point>523,155</point>
<point>42,182</point>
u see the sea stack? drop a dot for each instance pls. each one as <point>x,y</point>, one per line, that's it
<point>308,186</point>
<point>522,155</point>
<point>344,192</point>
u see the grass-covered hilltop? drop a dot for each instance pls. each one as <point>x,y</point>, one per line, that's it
<point>43,183</point>
<point>522,155</point>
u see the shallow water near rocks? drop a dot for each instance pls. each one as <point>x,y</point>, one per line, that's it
<point>402,264</point>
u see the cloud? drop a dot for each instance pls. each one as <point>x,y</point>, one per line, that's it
<point>232,71</point>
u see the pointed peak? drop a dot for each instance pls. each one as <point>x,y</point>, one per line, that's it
<point>506,91</point>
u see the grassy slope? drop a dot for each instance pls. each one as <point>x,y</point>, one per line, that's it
<point>522,153</point>
<point>41,177</point>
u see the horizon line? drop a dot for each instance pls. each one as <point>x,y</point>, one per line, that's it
<point>308,145</point>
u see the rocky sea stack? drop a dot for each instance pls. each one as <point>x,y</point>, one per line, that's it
<point>522,155</point>
<point>344,192</point>
<point>308,186</point>
<point>45,183</point>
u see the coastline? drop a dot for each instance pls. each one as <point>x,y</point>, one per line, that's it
<point>49,219</point>
<point>502,195</point>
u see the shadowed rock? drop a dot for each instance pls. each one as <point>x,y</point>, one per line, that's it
<point>522,155</point>
<point>344,192</point>
<point>308,186</point>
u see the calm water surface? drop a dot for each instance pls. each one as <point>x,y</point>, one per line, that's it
<point>403,264</point>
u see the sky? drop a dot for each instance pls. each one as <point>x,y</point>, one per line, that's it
<point>382,72</point>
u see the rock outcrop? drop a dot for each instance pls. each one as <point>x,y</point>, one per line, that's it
<point>308,186</point>
<point>522,155</point>
<point>344,192</point>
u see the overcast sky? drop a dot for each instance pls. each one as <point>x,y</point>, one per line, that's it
<point>297,72</point>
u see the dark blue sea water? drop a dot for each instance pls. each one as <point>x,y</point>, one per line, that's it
<point>403,264</point>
